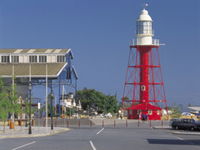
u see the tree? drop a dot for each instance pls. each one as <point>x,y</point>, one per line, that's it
<point>4,105</point>
<point>176,113</point>
<point>9,101</point>
<point>14,106</point>
<point>111,104</point>
<point>97,101</point>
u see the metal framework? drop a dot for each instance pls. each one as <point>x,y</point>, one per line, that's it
<point>144,87</point>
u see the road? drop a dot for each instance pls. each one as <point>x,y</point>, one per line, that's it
<point>106,139</point>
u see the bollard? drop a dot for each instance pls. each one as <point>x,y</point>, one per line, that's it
<point>33,122</point>
<point>79,123</point>
<point>55,122</point>
<point>102,123</point>
<point>150,123</point>
<point>90,123</point>
<point>162,123</point>
<point>44,123</point>
<point>126,123</point>
<point>67,123</point>
<point>114,123</point>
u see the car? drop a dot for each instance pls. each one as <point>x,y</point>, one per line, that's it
<point>185,124</point>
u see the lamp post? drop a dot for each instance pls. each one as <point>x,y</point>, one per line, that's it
<point>51,105</point>
<point>30,88</point>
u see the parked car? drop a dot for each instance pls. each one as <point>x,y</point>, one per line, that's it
<point>185,124</point>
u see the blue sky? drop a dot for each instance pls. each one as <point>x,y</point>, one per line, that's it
<point>99,31</point>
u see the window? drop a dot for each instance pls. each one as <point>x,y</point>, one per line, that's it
<point>150,112</point>
<point>144,27</point>
<point>33,59</point>
<point>42,58</point>
<point>15,59</point>
<point>60,58</point>
<point>5,59</point>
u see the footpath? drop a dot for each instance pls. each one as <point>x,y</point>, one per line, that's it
<point>22,132</point>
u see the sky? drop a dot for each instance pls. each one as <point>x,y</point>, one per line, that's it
<point>99,33</point>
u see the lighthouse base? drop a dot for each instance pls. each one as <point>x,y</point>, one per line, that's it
<point>144,111</point>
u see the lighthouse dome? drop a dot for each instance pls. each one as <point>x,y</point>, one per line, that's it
<point>144,16</point>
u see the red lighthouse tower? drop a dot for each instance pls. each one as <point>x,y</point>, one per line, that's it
<point>144,88</point>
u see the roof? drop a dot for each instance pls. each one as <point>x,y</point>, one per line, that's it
<point>144,16</point>
<point>38,70</point>
<point>197,108</point>
<point>34,51</point>
<point>144,106</point>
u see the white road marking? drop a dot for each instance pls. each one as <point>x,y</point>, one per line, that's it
<point>92,145</point>
<point>100,131</point>
<point>180,138</point>
<point>23,145</point>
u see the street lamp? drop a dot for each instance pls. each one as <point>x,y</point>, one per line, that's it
<point>30,88</point>
<point>51,97</point>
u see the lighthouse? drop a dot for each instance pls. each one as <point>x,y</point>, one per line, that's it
<point>144,93</point>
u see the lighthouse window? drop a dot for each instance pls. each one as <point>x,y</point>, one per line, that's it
<point>144,27</point>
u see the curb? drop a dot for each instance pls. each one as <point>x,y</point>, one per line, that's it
<point>36,135</point>
<point>161,127</point>
<point>185,133</point>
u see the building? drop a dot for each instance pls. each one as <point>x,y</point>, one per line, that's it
<point>51,68</point>
<point>144,94</point>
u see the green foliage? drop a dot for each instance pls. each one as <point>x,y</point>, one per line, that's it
<point>70,111</point>
<point>176,112</point>
<point>97,101</point>
<point>27,107</point>
<point>4,103</point>
<point>8,101</point>
<point>14,106</point>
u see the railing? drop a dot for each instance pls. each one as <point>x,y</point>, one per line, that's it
<point>155,42</point>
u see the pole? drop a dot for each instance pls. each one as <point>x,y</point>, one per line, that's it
<point>30,88</point>
<point>51,106</point>
<point>46,104</point>
<point>59,98</point>
<point>13,87</point>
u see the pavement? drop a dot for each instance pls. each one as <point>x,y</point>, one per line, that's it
<point>105,139</point>
<point>161,127</point>
<point>140,137</point>
<point>183,132</point>
<point>22,132</point>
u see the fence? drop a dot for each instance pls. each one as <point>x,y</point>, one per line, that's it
<point>98,123</point>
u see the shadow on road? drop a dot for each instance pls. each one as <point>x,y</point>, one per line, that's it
<point>174,141</point>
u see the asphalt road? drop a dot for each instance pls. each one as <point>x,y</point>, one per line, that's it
<point>106,139</point>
